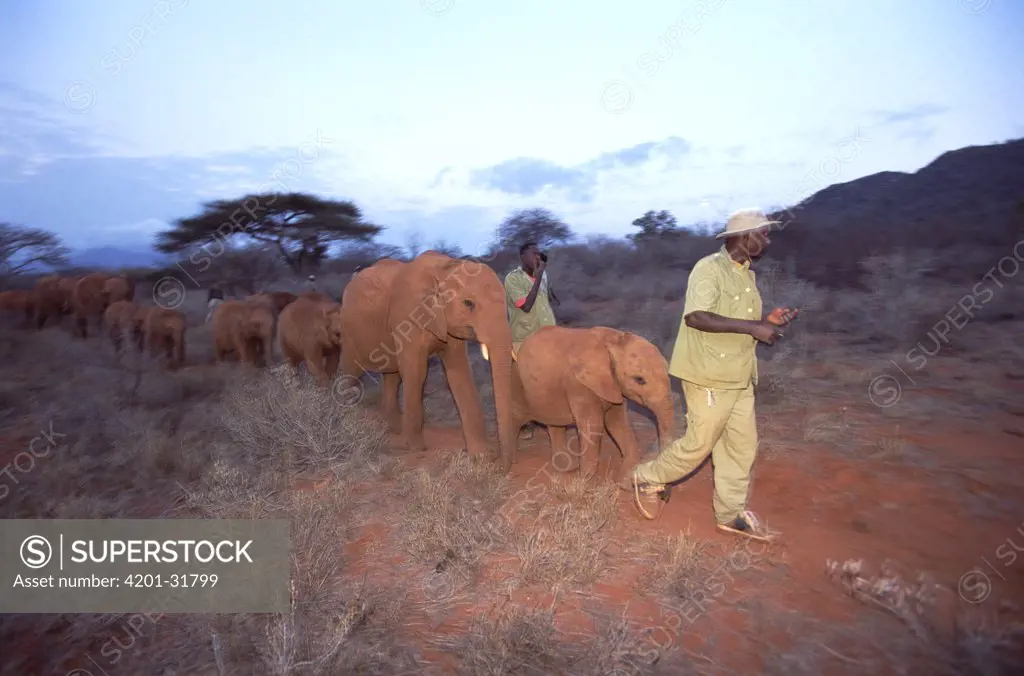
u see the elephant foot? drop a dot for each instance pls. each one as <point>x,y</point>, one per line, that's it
<point>415,445</point>
<point>504,464</point>
<point>481,450</point>
<point>565,462</point>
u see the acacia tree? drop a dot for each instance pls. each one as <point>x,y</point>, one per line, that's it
<point>533,225</point>
<point>22,248</point>
<point>300,226</point>
<point>654,224</point>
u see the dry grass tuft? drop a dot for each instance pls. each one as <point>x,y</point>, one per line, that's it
<point>449,519</point>
<point>515,639</point>
<point>676,565</point>
<point>688,575</point>
<point>512,639</point>
<point>566,544</point>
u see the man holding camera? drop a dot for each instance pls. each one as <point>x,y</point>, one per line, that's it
<point>527,296</point>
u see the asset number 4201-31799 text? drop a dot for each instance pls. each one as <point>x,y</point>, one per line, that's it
<point>176,580</point>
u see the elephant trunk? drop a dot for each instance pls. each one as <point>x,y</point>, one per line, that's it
<point>665,413</point>
<point>501,376</point>
<point>496,347</point>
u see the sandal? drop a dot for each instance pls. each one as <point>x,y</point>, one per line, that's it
<point>748,525</point>
<point>647,495</point>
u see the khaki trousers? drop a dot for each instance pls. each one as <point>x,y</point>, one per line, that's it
<point>720,423</point>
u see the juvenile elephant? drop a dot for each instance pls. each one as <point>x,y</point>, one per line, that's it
<point>119,319</point>
<point>244,329</point>
<point>18,304</point>
<point>89,301</point>
<point>396,315</point>
<point>51,297</point>
<point>275,300</point>
<point>311,331</point>
<point>118,288</point>
<point>583,377</point>
<point>165,331</point>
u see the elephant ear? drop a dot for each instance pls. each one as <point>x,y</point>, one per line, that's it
<point>594,368</point>
<point>433,306</point>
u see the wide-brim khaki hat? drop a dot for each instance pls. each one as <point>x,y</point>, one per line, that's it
<point>746,220</point>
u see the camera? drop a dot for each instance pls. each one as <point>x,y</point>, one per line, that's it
<point>543,256</point>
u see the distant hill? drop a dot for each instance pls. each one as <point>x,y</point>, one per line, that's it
<point>970,196</point>
<point>115,257</point>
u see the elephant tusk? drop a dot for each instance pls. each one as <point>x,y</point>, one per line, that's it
<point>483,351</point>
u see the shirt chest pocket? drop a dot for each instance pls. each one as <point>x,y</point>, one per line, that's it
<point>740,299</point>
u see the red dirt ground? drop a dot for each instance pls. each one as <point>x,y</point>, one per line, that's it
<point>827,505</point>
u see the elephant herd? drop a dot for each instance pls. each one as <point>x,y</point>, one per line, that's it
<point>99,300</point>
<point>393,317</point>
<point>83,298</point>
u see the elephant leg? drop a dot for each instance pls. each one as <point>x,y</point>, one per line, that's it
<point>243,350</point>
<point>267,349</point>
<point>169,348</point>
<point>459,374</point>
<point>315,364</point>
<point>617,422</point>
<point>389,398</point>
<point>590,429</point>
<point>413,372</point>
<point>333,357</point>
<point>563,459</point>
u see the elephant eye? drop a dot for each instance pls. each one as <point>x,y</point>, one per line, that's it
<point>468,303</point>
<point>640,380</point>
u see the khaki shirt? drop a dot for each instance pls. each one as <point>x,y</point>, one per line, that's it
<point>727,361</point>
<point>524,324</point>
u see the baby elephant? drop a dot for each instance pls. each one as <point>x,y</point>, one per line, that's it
<point>244,329</point>
<point>165,332</point>
<point>583,377</point>
<point>310,331</point>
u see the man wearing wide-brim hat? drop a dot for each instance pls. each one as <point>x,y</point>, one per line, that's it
<point>715,358</point>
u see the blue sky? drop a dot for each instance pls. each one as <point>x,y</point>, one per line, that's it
<point>440,116</point>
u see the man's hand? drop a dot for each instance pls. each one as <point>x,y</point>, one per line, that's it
<point>781,316</point>
<point>766,332</point>
<point>540,268</point>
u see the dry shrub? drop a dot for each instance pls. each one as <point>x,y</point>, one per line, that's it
<point>333,625</point>
<point>300,426</point>
<point>613,647</point>
<point>973,643</point>
<point>675,565</point>
<point>566,543</point>
<point>449,519</point>
<point>688,575</point>
<point>515,639</point>
<point>510,640</point>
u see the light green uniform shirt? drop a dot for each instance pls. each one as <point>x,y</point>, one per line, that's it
<point>524,324</point>
<point>728,361</point>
